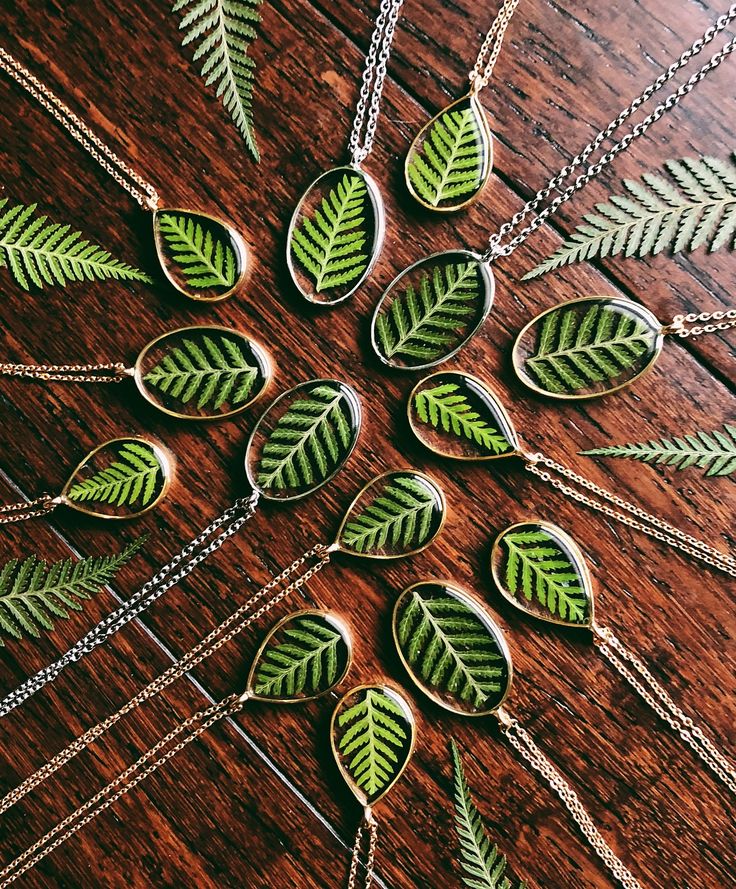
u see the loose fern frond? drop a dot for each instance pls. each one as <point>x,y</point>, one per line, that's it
<point>444,408</point>
<point>130,480</point>
<point>205,260</point>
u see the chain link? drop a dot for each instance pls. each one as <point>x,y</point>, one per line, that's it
<point>69,373</point>
<point>520,739</point>
<point>145,194</point>
<point>370,825</point>
<point>491,48</point>
<point>694,324</point>
<point>28,509</point>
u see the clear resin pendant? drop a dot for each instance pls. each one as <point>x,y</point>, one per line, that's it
<point>202,256</point>
<point>335,236</point>
<point>432,309</point>
<point>202,373</point>
<point>451,158</point>
<point>587,347</point>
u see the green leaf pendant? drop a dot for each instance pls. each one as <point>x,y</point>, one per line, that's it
<point>432,309</point>
<point>373,733</point>
<point>541,570</point>
<point>335,236</point>
<point>451,158</point>
<point>587,347</point>
<point>203,257</point>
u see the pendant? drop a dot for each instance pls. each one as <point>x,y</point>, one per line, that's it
<point>432,309</point>
<point>202,256</point>
<point>335,236</point>
<point>587,347</point>
<point>451,158</point>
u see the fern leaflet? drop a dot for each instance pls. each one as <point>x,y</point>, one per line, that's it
<point>131,480</point>
<point>443,408</point>
<point>205,260</point>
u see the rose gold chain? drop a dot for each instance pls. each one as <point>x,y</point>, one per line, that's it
<point>370,824</point>
<point>69,373</point>
<point>491,48</point>
<point>694,324</point>
<point>28,509</point>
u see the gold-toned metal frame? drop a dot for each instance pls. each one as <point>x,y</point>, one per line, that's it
<point>480,608</point>
<point>489,282</point>
<point>509,431</point>
<point>261,354</point>
<point>487,138</point>
<point>379,232</point>
<point>338,623</point>
<point>377,478</point>
<point>578,556</point>
<point>352,396</point>
<point>411,720</point>
<point>164,457</point>
<point>631,306</point>
<point>236,236</point>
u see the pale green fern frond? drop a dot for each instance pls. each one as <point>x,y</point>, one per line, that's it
<point>130,480</point>
<point>446,408</point>
<point>205,260</point>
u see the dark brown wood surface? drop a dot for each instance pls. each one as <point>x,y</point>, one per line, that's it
<point>257,802</point>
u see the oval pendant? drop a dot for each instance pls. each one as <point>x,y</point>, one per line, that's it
<point>203,257</point>
<point>303,438</point>
<point>205,372</point>
<point>121,479</point>
<point>587,347</point>
<point>541,570</point>
<point>335,236</point>
<point>432,309</point>
<point>458,416</point>
<point>451,158</point>
<point>452,648</point>
<point>304,656</point>
<point>373,734</point>
<point>396,514</point>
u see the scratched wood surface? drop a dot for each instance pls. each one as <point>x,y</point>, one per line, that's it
<point>257,802</point>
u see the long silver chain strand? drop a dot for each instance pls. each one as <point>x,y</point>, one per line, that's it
<point>495,246</point>
<point>196,551</point>
<point>374,74</point>
<point>520,739</point>
<point>369,825</point>
<point>491,47</point>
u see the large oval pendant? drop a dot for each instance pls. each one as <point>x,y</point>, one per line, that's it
<point>335,235</point>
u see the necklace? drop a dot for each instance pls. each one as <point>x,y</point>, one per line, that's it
<point>337,229</point>
<point>203,257</point>
<point>205,372</point>
<point>450,160</point>
<point>435,306</point>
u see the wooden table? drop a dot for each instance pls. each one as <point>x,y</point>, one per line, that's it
<point>258,802</point>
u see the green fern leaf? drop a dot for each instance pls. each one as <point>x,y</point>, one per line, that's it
<point>223,31</point>
<point>713,451</point>
<point>39,252</point>
<point>33,594</point>
<point>330,244</point>
<point>130,480</point>
<point>653,215</point>
<point>443,408</point>
<point>206,261</point>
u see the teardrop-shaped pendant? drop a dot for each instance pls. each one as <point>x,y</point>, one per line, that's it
<point>202,256</point>
<point>587,347</point>
<point>451,158</point>
<point>205,372</point>
<point>541,570</point>
<point>452,648</point>
<point>335,236</point>
<point>432,309</point>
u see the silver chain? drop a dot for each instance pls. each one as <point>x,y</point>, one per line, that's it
<point>374,74</point>
<point>495,246</point>
<point>491,47</point>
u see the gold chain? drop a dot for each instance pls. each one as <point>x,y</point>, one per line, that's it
<point>28,509</point>
<point>370,824</point>
<point>660,701</point>
<point>519,738</point>
<point>143,192</point>
<point>697,326</point>
<point>69,373</point>
<point>491,48</point>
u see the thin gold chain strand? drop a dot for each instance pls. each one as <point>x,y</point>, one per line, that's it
<point>642,681</point>
<point>145,194</point>
<point>28,509</point>
<point>491,48</point>
<point>696,324</point>
<point>370,824</point>
<point>221,635</point>
<point>69,373</point>
<point>519,738</point>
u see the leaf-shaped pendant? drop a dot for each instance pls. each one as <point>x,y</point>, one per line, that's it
<point>302,439</point>
<point>120,479</point>
<point>451,158</point>
<point>456,415</point>
<point>452,648</point>
<point>373,734</point>
<point>203,257</point>
<point>304,656</point>
<point>587,347</point>
<point>335,236</point>
<point>432,309</point>
<point>202,373</point>
<point>540,569</point>
<point>396,514</point>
